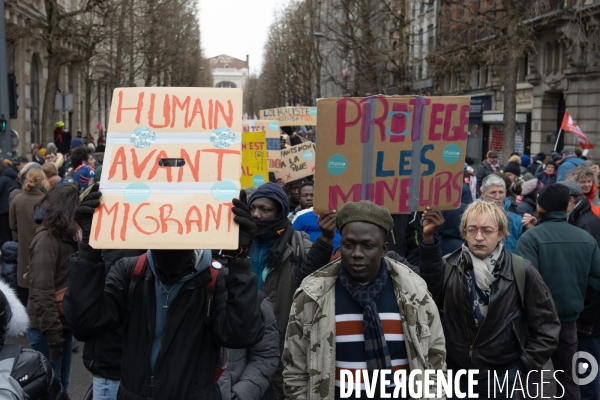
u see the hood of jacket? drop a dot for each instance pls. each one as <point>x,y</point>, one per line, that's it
<point>10,251</point>
<point>19,321</point>
<point>9,172</point>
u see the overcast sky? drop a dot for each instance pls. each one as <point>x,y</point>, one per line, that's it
<point>237,27</point>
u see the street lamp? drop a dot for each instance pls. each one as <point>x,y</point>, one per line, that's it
<point>320,35</point>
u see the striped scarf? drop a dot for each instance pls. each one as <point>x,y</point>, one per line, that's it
<point>376,349</point>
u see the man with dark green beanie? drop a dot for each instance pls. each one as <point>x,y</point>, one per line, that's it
<point>568,258</point>
<point>363,312</point>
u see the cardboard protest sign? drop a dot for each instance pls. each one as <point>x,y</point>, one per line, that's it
<point>171,167</point>
<point>271,128</point>
<point>255,166</point>
<point>291,116</point>
<point>297,162</point>
<point>405,153</point>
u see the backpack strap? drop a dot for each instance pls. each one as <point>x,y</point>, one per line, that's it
<point>298,248</point>
<point>518,265</point>
<point>135,277</point>
<point>9,355</point>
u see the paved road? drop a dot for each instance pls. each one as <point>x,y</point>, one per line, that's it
<point>80,380</point>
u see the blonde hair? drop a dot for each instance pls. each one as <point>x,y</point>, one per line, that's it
<point>35,177</point>
<point>582,172</point>
<point>479,207</point>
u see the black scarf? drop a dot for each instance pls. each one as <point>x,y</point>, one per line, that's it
<point>172,265</point>
<point>267,229</point>
<point>376,349</point>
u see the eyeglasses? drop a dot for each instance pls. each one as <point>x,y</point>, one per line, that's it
<point>486,232</point>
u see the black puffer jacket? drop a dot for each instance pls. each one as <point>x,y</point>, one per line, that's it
<point>192,335</point>
<point>102,352</point>
<point>10,251</point>
<point>7,179</point>
<point>510,334</point>
<point>32,370</point>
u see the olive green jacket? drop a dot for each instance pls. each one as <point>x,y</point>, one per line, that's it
<point>309,353</point>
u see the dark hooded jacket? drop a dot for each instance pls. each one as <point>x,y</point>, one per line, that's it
<point>7,179</point>
<point>10,251</point>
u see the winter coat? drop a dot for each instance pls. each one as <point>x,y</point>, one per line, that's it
<point>546,178</point>
<point>193,333</point>
<point>10,250</point>
<point>484,170</point>
<point>594,198</point>
<point>102,351</point>
<point>48,273</point>
<point>249,371</point>
<point>282,282</point>
<point>583,217</point>
<point>536,166</point>
<point>309,356</point>
<point>24,228</point>
<point>526,206</point>
<point>515,227</point>
<point>501,341</point>
<point>566,166</point>
<point>7,179</point>
<point>32,370</point>
<point>568,258</point>
<point>525,173</point>
<point>404,237</point>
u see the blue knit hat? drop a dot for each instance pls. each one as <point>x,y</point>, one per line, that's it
<point>525,160</point>
<point>274,192</point>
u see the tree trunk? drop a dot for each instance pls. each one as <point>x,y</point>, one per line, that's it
<point>510,107</point>
<point>120,43</point>
<point>50,96</point>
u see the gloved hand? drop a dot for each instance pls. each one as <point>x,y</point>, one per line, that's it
<point>247,227</point>
<point>56,344</point>
<point>85,212</point>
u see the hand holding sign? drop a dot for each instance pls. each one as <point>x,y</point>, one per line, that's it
<point>326,223</point>
<point>247,226</point>
<point>85,212</point>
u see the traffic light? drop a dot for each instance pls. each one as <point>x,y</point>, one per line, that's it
<point>3,124</point>
<point>13,95</point>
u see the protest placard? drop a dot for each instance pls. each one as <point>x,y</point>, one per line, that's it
<point>172,164</point>
<point>297,162</point>
<point>271,128</point>
<point>291,116</point>
<point>405,153</point>
<point>255,166</point>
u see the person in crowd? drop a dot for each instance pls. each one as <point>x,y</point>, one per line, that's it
<point>77,142</point>
<point>525,163</point>
<point>513,170</point>
<point>7,180</point>
<point>49,255</point>
<point>595,167</point>
<point>35,154</point>
<point>51,174</point>
<point>282,142</point>
<point>53,156</point>
<point>530,190</point>
<point>537,164</point>
<point>293,191</point>
<point>403,239</point>
<point>82,164</point>
<point>23,226</point>
<point>569,162</point>
<point>589,185</point>
<point>512,323</point>
<point>99,153</point>
<point>249,371</point>
<point>513,190</point>
<point>31,371</point>
<point>364,294</point>
<point>62,138</point>
<point>281,257</point>
<point>21,176</point>
<point>551,246</point>
<point>493,189</point>
<point>157,358</point>
<point>489,166</point>
<point>579,214</point>
<point>548,175</point>
<point>449,233</point>
<point>10,251</point>
<point>20,163</point>
<point>307,221</point>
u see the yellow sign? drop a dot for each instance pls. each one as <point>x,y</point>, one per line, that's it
<point>255,166</point>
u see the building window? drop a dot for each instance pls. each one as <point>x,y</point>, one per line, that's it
<point>35,100</point>
<point>226,84</point>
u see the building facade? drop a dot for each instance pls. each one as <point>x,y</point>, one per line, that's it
<point>229,72</point>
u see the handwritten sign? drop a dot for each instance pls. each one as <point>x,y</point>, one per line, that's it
<point>172,165</point>
<point>271,129</point>
<point>297,162</point>
<point>291,116</point>
<point>405,153</point>
<point>255,166</point>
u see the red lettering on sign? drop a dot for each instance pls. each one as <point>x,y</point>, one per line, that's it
<point>138,227</point>
<point>219,109</point>
<point>178,104</point>
<point>155,167</point>
<point>121,160</point>
<point>217,217</point>
<point>100,211</point>
<point>138,107</point>
<point>196,110</point>
<point>434,121</point>
<point>166,112</point>
<point>189,221</point>
<point>335,191</point>
<point>342,124</point>
<point>139,168</point>
<point>165,218</point>
<point>221,153</point>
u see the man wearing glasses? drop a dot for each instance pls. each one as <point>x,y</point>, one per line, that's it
<point>491,300</point>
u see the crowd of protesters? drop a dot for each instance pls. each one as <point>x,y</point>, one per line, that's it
<point>509,282</point>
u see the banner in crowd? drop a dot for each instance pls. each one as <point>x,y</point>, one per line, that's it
<point>273,135</point>
<point>297,162</point>
<point>569,125</point>
<point>255,166</point>
<point>291,116</point>
<point>172,164</point>
<point>405,153</point>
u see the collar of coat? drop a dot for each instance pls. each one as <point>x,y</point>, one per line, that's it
<point>411,285</point>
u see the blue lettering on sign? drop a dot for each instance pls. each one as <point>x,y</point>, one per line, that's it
<point>273,144</point>
<point>430,164</point>
<point>379,171</point>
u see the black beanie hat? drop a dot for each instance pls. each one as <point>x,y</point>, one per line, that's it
<point>554,197</point>
<point>514,168</point>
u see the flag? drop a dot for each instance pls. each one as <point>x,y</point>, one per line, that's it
<point>99,127</point>
<point>569,125</point>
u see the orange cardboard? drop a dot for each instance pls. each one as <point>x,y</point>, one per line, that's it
<point>291,116</point>
<point>297,162</point>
